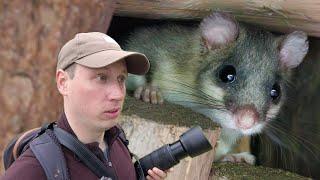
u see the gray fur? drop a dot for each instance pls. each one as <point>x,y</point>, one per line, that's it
<point>185,62</point>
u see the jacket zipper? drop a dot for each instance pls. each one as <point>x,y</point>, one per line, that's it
<point>106,156</point>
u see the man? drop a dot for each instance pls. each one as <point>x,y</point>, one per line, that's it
<point>91,73</point>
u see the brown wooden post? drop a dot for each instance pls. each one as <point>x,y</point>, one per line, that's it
<point>32,32</point>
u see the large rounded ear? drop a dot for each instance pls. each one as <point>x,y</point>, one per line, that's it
<point>293,49</point>
<point>218,29</point>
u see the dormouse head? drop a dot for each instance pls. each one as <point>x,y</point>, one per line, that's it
<point>247,70</point>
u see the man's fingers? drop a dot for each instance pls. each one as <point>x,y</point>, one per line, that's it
<point>159,172</point>
<point>154,175</point>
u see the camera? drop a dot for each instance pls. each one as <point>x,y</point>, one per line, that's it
<point>191,143</point>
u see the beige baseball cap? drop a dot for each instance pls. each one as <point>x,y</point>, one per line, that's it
<point>96,49</point>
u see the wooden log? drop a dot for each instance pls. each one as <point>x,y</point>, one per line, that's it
<point>275,15</point>
<point>149,127</point>
<point>235,171</point>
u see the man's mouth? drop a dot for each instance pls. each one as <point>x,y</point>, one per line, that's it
<point>113,113</point>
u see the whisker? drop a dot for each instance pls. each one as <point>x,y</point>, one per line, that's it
<point>300,139</point>
<point>189,92</point>
<point>294,143</point>
<point>191,89</point>
<point>189,98</point>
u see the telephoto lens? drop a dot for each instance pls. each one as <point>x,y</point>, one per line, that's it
<point>191,143</point>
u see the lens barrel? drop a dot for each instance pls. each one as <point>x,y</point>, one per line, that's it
<point>191,143</point>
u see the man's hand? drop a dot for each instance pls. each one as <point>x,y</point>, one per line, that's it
<point>156,174</point>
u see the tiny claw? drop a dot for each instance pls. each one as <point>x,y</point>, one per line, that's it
<point>146,95</point>
<point>138,92</point>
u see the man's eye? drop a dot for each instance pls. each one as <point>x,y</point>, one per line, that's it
<point>102,77</point>
<point>122,79</point>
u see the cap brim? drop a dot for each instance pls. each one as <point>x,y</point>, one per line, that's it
<point>137,63</point>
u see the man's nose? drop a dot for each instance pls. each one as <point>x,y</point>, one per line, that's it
<point>116,91</point>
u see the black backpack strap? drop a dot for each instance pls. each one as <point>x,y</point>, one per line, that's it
<point>85,155</point>
<point>8,157</point>
<point>122,136</point>
<point>50,156</point>
<point>138,168</point>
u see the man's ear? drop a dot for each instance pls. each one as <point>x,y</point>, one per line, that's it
<point>62,81</point>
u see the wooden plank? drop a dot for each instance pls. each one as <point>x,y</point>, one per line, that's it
<point>275,15</point>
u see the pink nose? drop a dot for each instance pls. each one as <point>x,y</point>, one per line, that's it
<point>246,116</point>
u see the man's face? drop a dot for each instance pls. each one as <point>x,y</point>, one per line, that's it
<point>95,96</point>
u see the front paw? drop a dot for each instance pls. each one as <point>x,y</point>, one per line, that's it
<point>149,93</point>
<point>239,157</point>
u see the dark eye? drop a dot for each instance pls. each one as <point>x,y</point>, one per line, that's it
<point>275,91</point>
<point>227,74</point>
